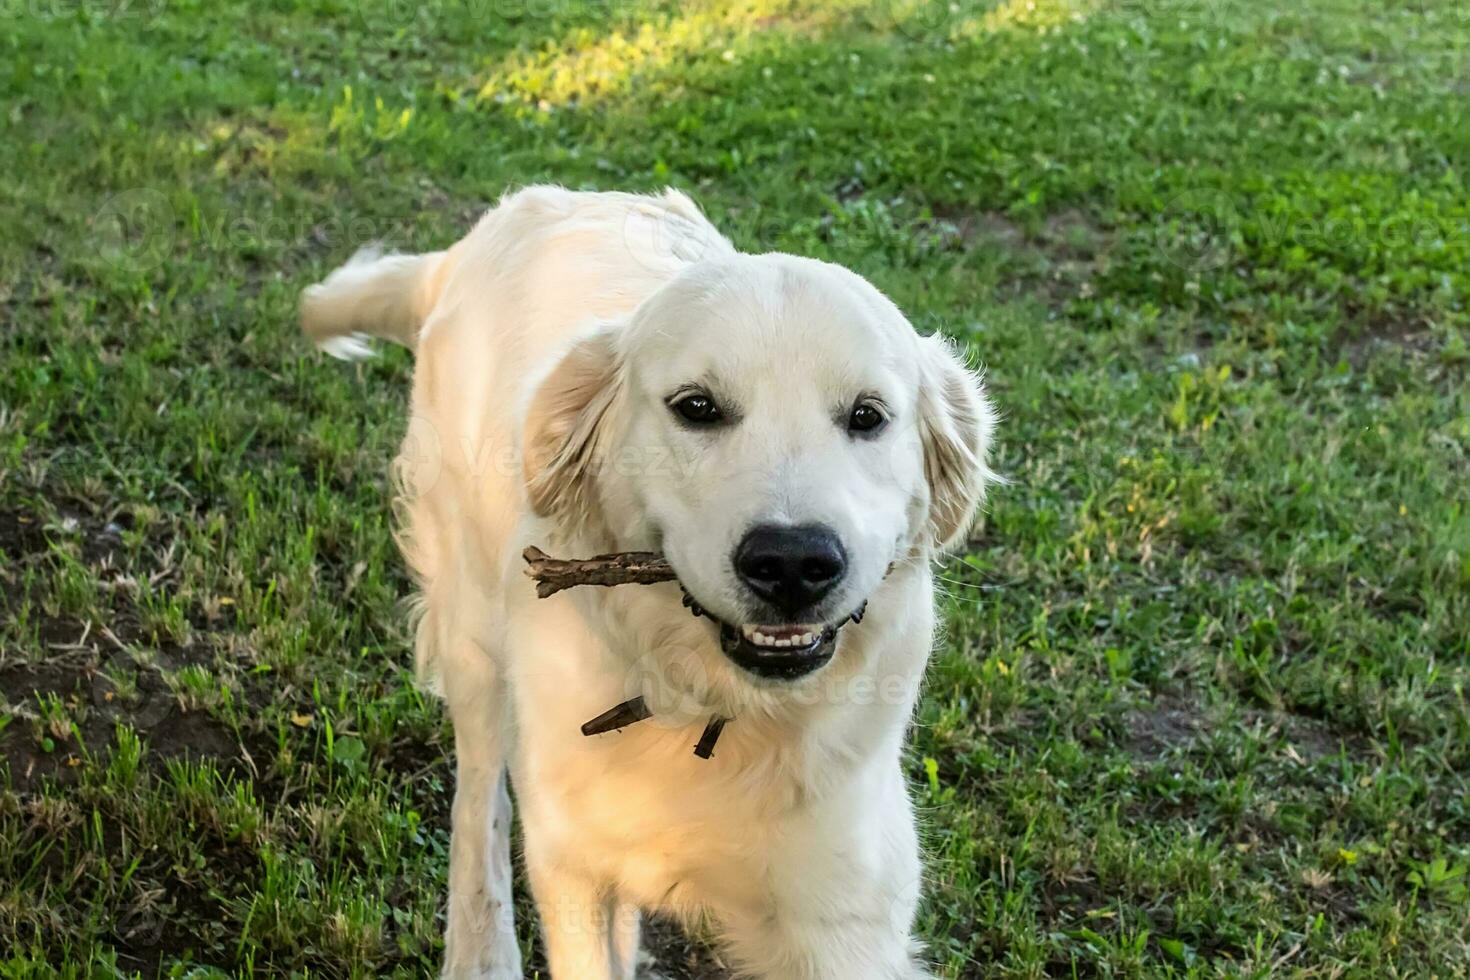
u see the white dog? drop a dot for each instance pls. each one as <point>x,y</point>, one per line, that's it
<point>605,372</point>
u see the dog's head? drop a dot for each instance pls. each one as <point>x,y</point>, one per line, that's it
<point>778,430</point>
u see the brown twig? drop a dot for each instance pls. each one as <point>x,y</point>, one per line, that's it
<point>706,747</point>
<point>625,568</point>
<point>618,716</point>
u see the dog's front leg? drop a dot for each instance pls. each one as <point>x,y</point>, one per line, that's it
<point>480,942</point>
<point>577,921</point>
<point>830,914</point>
<point>627,933</point>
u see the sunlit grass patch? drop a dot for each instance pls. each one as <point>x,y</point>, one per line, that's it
<point>589,66</point>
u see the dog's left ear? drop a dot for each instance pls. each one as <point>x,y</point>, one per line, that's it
<point>955,422</point>
<point>567,412</point>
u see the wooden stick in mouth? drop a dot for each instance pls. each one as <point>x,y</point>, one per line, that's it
<point>623,568</point>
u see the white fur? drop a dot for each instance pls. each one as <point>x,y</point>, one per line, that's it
<point>548,341</point>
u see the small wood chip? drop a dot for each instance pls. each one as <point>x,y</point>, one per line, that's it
<point>624,568</point>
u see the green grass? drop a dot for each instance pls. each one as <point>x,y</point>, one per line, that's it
<point>1201,705</point>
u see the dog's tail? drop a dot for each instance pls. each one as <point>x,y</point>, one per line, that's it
<point>373,295</point>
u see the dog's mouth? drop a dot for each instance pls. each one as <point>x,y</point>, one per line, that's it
<point>779,652</point>
<point>782,651</point>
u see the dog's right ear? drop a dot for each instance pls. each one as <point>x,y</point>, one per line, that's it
<point>955,420</point>
<point>568,410</point>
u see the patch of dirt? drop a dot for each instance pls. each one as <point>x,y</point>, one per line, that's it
<point>85,677</point>
<point>162,926</point>
<point>73,702</point>
<point>24,535</point>
<point>1309,738</point>
<point>1059,258</point>
<point>1176,722</point>
<point>966,228</point>
<point>70,704</point>
<point>27,540</point>
<point>1358,347</point>
<point>990,226</point>
<point>1070,898</point>
<point>1073,234</point>
<point>1168,723</point>
<point>416,758</point>
<point>671,955</point>
<point>21,535</point>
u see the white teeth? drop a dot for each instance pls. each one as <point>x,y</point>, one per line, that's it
<point>756,637</point>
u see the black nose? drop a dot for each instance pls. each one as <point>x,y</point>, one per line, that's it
<point>792,568</point>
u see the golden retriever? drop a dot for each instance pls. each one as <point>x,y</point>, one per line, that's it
<point>603,372</point>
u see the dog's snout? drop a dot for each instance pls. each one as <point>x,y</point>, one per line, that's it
<point>792,568</point>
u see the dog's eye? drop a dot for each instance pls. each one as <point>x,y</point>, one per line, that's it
<point>697,408</point>
<point>866,418</point>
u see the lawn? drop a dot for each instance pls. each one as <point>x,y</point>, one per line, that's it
<point>1200,706</point>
